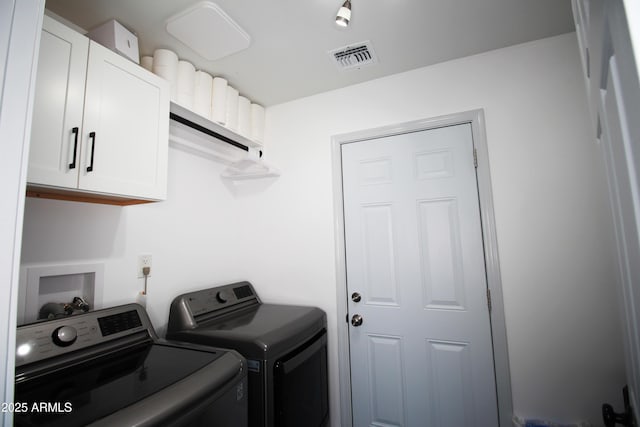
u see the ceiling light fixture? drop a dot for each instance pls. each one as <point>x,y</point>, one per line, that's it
<point>344,14</point>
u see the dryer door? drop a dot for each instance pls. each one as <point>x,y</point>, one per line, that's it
<point>301,392</point>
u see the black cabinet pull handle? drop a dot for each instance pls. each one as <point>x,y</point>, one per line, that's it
<point>92,135</point>
<point>74,131</point>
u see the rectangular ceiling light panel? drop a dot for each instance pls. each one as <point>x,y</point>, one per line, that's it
<point>209,31</point>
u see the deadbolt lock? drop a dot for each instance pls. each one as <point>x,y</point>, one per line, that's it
<point>356,297</point>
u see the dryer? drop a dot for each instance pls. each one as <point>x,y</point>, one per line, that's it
<point>285,347</point>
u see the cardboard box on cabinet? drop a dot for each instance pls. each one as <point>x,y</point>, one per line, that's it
<point>116,37</point>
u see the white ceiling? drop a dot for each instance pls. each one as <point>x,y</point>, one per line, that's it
<point>288,55</point>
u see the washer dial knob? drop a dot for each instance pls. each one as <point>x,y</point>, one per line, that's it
<point>222,297</point>
<point>64,336</point>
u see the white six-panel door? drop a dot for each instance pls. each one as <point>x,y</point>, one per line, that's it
<point>414,253</point>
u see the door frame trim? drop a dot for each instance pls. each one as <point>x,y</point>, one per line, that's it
<point>489,238</point>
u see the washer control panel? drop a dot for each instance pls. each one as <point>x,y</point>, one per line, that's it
<point>46,339</point>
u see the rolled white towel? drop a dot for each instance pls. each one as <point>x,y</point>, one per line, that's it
<point>219,100</point>
<point>232,108</point>
<point>202,94</point>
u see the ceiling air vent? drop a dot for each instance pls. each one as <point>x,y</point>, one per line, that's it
<point>354,56</point>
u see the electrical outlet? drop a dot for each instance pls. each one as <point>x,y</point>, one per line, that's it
<point>144,260</point>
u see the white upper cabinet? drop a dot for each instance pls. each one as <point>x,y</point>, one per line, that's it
<point>58,106</point>
<point>125,128</point>
<point>101,122</point>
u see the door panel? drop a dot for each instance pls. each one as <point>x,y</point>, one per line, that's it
<point>386,367</point>
<point>440,254</point>
<point>450,376</point>
<point>380,278</point>
<point>414,252</point>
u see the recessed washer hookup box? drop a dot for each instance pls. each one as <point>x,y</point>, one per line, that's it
<point>116,37</point>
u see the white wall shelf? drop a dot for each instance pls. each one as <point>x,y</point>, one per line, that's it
<point>199,135</point>
<point>197,122</point>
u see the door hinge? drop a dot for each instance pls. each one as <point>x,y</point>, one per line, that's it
<point>475,158</point>
<point>489,299</point>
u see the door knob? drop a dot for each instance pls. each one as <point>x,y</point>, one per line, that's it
<point>356,297</point>
<point>611,418</point>
<point>356,320</point>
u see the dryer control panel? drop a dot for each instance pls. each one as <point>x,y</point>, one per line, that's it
<point>202,305</point>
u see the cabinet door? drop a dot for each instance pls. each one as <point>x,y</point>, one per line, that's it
<point>126,128</point>
<point>58,106</point>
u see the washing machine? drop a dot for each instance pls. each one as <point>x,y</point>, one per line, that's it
<point>285,347</point>
<point>109,368</point>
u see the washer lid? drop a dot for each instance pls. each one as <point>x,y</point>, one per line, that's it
<point>94,389</point>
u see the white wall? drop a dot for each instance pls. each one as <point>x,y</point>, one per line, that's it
<point>192,237</point>
<point>552,218</point>
<point>551,211</point>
